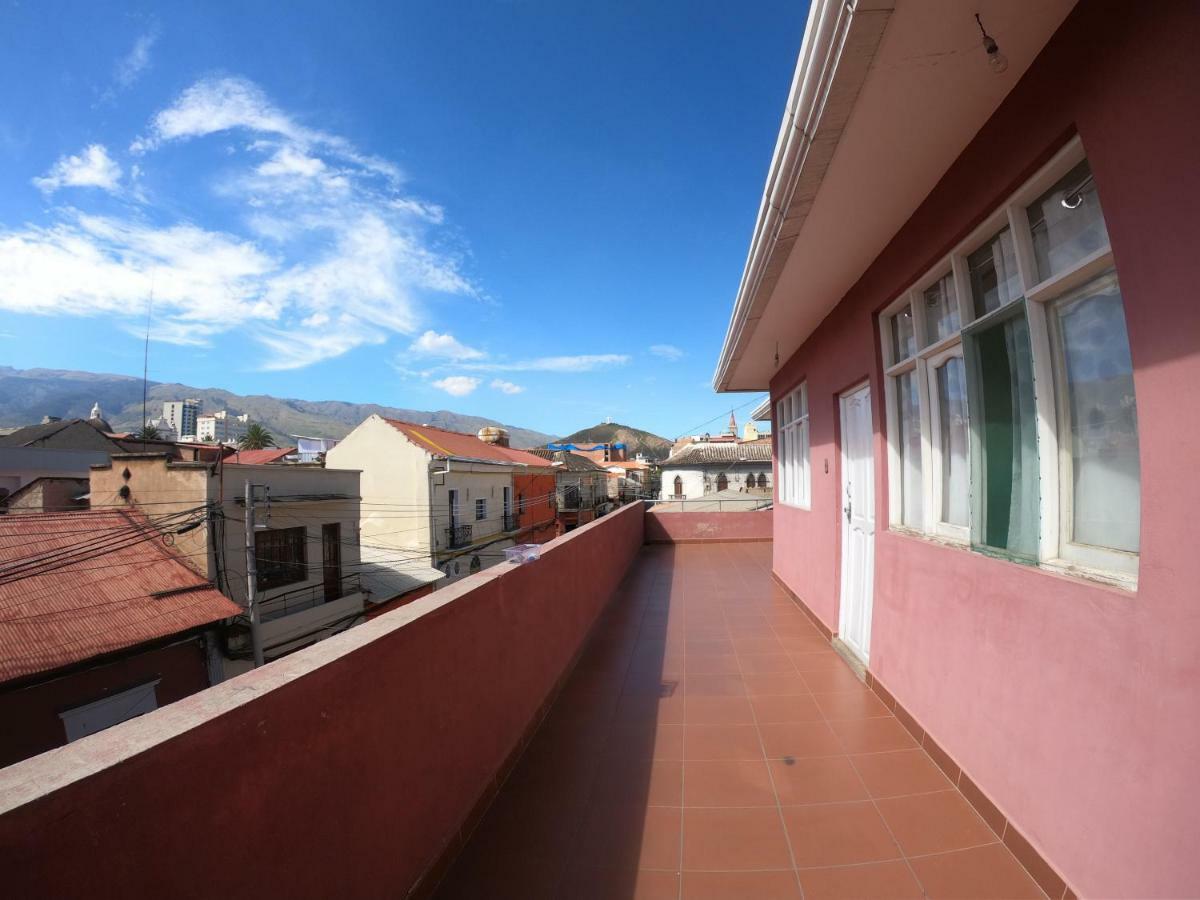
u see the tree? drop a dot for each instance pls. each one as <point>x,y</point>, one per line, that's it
<point>256,438</point>
<point>149,433</point>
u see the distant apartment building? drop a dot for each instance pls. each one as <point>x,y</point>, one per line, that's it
<point>437,503</point>
<point>305,541</point>
<point>181,415</point>
<point>221,427</point>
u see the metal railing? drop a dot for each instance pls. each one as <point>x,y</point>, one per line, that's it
<point>458,535</point>
<point>701,504</point>
<point>510,522</point>
<point>306,597</point>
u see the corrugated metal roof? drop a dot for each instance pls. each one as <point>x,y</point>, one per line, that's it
<point>441,442</point>
<point>89,603</point>
<point>259,457</point>
<point>572,462</point>
<point>705,453</point>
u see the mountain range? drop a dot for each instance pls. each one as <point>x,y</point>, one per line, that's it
<point>635,440</point>
<point>26,395</point>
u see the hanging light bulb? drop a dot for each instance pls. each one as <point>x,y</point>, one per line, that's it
<point>997,61</point>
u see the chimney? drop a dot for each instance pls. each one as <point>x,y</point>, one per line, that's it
<point>493,434</point>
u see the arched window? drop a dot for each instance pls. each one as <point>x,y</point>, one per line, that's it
<point>722,482</point>
<point>762,479</point>
<point>678,486</point>
<point>476,564</point>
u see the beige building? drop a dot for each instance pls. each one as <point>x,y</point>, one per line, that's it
<point>436,503</point>
<point>305,539</point>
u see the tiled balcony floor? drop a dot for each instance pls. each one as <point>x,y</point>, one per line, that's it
<point>711,745</point>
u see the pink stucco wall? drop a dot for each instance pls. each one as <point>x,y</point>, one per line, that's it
<point>698,527</point>
<point>340,771</point>
<point>1075,707</point>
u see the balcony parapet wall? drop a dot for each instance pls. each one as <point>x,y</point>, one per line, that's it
<point>346,769</point>
<point>702,527</point>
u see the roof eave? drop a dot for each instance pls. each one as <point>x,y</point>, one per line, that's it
<point>840,42</point>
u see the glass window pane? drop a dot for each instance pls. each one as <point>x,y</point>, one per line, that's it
<point>1105,470</point>
<point>904,343</point>
<point>941,310</point>
<point>995,280</point>
<point>786,480</point>
<point>952,421</point>
<point>1067,222</point>
<point>803,486</point>
<point>802,399</point>
<point>910,449</point>
<point>1004,426</point>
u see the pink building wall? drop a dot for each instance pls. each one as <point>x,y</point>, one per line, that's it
<point>700,527</point>
<point>1074,706</point>
<point>362,755</point>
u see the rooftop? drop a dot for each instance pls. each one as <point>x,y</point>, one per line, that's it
<point>455,444</point>
<point>707,453</point>
<point>572,462</point>
<point>81,584</point>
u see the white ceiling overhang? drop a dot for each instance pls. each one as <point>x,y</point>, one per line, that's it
<point>887,94</point>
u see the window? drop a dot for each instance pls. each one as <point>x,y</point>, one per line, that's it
<point>281,556</point>
<point>791,421</point>
<point>480,509</point>
<point>1012,418</point>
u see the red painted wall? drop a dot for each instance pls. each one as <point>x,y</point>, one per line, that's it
<point>347,778</point>
<point>700,527</point>
<point>539,515</point>
<point>1074,706</point>
<point>30,714</point>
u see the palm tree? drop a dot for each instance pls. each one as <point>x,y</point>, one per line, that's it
<point>256,438</point>
<point>149,433</point>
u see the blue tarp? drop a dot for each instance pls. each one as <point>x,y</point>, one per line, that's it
<point>573,447</point>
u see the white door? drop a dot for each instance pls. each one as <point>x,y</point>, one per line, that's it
<point>858,521</point>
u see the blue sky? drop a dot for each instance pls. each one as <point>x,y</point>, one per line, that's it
<point>533,211</point>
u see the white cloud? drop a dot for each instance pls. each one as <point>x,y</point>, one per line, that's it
<point>443,345</point>
<point>582,363</point>
<point>93,167</point>
<point>507,386</point>
<point>131,66</point>
<point>457,385</point>
<point>329,245</point>
<point>669,352</point>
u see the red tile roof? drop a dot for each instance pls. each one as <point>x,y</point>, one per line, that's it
<point>441,442</point>
<point>259,457</point>
<point>104,592</point>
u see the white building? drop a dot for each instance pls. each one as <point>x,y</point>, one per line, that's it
<point>432,500</point>
<point>707,467</point>
<point>181,415</point>
<point>221,427</point>
<point>165,430</point>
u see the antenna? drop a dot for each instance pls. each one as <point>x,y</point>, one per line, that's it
<point>146,360</point>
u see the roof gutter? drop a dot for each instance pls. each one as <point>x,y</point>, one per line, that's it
<point>819,82</point>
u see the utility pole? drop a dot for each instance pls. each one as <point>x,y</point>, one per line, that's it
<point>252,578</point>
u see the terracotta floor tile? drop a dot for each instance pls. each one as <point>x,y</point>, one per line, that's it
<point>765,662</point>
<point>740,886</point>
<point>761,684</point>
<point>838,834</point>
<point>757,645</point>
<point>647,740</point>
<point>718,711</point>
<point>729,839</point>
<point>609,883</point>
<point>900,772</point>
<point>712,665</point>
<point>629,838</point>
<point>821,779</point>
<point>851,705</point>
<point>834,680</point>
<point>874,881</point>
<point>644,708</point>
<point>795,708</point>
<point>799,739</point>
<point>502,879</point>
<point>709,648</point>
<point>801,642</point>
<point>621,779</point>
<point>721,742</point>
<point>727,783</point>
<point>935,823</point>
<point>705,685</point>
<point>873,735</point>
<point>981,873</point>
<point>817,661</point>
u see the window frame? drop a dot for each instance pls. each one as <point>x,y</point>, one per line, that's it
<point>481,509</point>
<point>1055,550</point>
<point>270,580</point>
<point>794,477</point>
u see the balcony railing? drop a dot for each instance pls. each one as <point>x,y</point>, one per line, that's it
<point>458,535</point>
<point>510,522</point>
<point>307,597</point>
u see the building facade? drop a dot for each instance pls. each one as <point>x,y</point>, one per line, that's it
<point>702,468</point>
<point>984,473</point>
<point>181,416</point>
<point>221,427</point>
